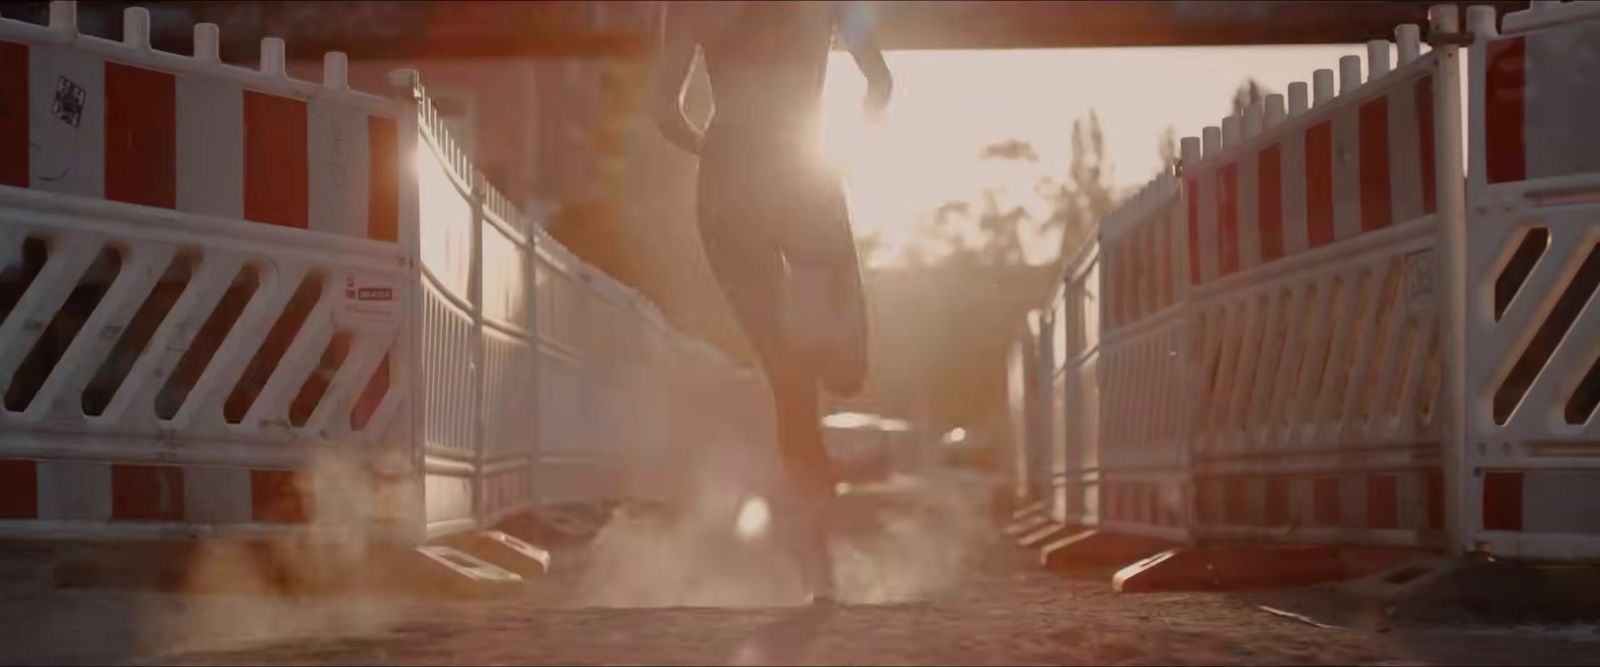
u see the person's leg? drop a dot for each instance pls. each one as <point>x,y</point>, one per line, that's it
<point>809,471</point>
<point>818,243</point>
<point>745,260</point>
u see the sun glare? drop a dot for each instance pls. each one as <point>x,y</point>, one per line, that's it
<point>949,105</point>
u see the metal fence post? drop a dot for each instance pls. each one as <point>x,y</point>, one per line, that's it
<point>402,89</point>
<point>1444,19</point>
<point>475,369</point>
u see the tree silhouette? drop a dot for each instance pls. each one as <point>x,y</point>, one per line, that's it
<point>1085,197</point>
<point>1167,146</point>
<point>1011,149</point>
<point>1250,92</point>
<point>1074,202</point>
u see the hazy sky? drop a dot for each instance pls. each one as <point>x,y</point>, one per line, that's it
<point>948,105</point>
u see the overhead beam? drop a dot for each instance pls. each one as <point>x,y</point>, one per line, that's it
<point>920,24</point>
<point>478,29</point>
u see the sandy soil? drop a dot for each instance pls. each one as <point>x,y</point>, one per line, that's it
<point>924,579</point>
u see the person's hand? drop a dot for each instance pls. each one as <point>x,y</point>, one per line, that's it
<point>877,100</point>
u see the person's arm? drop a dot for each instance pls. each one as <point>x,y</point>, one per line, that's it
<point>860,37</point>
<point>678,49</point>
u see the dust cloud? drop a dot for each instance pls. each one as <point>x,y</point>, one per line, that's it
<point>698,555</point>
<point>896,540</point>
<point>329,581</point>
<point>921,536</point>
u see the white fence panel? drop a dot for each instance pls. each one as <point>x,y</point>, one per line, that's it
<point>451,243</point>
<point>196,340</point>
<point>1140,363</point>
<point>509,391</point>
<point>1532,479</point>
<point>1319,368</point>
<point>1076,496</point>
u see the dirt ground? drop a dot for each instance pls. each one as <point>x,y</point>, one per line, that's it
<point>925,579</point>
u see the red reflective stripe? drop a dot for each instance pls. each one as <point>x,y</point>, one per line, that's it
<point>1192,194</point>
<point>276,497</point>
<point>1502,501</point>
<point>147,493</point>
<point>1164,260</point>
<point>1277,501</point>
<point>1503,95</point>
<point>1383,502</point>
<point>1158,264</point>
<point>276,182</point>
<point>383,197</point>
<point>1122,280</point>
<point>1436,500</point>
<point>14,114</point>
<point>19,489</point>
<point>1228,219</point>
<point>1325,510</point>
<point>1136,274</point>
<point>1269,201</point>
<point>1151,262</point>
<point>1236,504</point>
<point>1374,163</point>
<point>1113,273</point>
<point>1319,183</point>
<point>1424,97</point>
<point>1119,253</point>
<point>141,136</point>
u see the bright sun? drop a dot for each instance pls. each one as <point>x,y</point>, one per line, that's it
<point>949,105</point>
<point>901,168</point>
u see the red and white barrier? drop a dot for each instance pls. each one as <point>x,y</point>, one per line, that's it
<point>396,348</point>
<point>1531,272</point>
<point>1144,254</point>
<point>1281,181</point>
<point>1039,443</point>
<point>1272,352</point>
<point>1538,87</point>
<point>1365,348</point>
<point>1318,350</point>
<point>1142,456</point>
<point>211,365</point>
<point>1020,366</point>
<point>1075,391</point>
<point>1029,391</point>
<point>119,121</point>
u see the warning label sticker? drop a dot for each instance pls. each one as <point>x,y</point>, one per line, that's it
<point>68,105</point>
<point>371,297</point>
<point>1421,276</point>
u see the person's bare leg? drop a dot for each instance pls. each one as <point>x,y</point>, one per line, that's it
<point>810,479</point>
<point>750,272</point>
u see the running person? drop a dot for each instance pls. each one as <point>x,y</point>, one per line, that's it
<point>769,209</point>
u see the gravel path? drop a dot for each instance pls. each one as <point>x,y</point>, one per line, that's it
<point>929,584</point>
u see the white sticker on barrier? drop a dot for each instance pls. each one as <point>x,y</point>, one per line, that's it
<point>1421,295</point>
<point>372,298</point>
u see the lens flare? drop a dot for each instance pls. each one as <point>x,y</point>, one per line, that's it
<point>754,518</point>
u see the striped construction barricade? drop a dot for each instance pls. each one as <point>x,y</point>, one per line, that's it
<point>1138,451</point>
<point>207,323</point>
<point>234,302</point>
<point>1316,349</point>
<point>1531,268</point>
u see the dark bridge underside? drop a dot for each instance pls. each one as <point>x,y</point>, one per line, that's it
<point>424,29</point>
